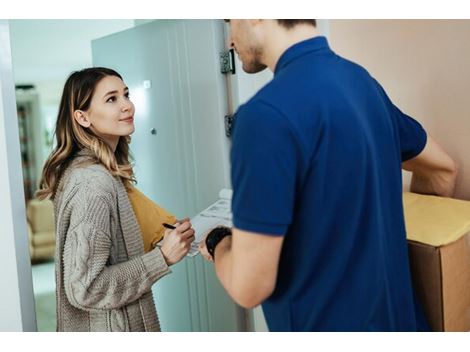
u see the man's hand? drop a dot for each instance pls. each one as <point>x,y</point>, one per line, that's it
<point>203,250</point>
<point>246,264</point>
<point>434,171</point>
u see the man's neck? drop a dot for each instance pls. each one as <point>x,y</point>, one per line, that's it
<point>283,39</point>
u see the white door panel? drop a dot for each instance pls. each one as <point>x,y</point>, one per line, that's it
<point>172,70</point>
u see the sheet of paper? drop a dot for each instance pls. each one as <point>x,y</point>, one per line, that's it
<point>202,225</point>
<point>217,214</point>
<point>220,209</point>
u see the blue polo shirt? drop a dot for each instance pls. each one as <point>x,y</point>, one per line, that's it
<point>316,158</point>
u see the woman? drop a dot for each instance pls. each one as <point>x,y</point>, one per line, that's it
<point>103,276</point>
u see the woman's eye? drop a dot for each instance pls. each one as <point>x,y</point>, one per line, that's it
<point>127,95</point>
<point>111,99</point>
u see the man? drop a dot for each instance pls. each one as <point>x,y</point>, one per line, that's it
<point>319,235</point>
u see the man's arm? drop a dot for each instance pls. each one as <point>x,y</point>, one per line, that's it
<point>434,171</point>
<point>246,264</point>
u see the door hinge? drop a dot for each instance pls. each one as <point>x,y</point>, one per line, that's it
<point>229,120</point>
<point>227,61</point>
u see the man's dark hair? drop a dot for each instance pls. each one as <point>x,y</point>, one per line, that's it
<point>292,23</point>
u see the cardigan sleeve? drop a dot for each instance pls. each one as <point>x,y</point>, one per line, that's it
<point>90,283</point>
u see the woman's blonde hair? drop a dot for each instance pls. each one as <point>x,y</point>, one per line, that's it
<point>71,137</point>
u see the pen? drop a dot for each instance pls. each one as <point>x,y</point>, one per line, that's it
<point>168,226</point>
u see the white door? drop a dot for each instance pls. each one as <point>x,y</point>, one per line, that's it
<point>180,149</point>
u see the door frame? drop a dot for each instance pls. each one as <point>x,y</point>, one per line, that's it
<point>17,297</point>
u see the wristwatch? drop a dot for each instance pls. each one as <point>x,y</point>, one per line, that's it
<point>215,236</point>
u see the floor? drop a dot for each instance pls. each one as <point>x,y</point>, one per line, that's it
<point>44,295</point>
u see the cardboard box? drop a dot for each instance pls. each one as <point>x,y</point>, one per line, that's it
<point>438,231</point>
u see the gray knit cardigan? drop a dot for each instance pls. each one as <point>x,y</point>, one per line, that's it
<point>103,277</point>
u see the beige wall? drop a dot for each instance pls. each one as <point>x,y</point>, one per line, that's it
<point>424,66</point>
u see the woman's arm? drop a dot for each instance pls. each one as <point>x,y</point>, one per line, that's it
<point>90,283</point>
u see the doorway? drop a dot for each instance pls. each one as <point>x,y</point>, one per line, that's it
<point>43,54</point>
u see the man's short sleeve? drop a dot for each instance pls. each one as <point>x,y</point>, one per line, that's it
<point>264,166</point>
<point>412,135</point>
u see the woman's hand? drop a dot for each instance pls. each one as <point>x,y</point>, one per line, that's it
<point>177,243</point>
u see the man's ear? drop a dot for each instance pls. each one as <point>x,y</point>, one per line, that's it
<point>82,118</point>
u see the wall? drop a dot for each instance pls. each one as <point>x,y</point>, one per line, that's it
<point>424,67</point>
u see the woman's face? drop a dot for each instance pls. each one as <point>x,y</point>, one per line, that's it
<point>111,113</point>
